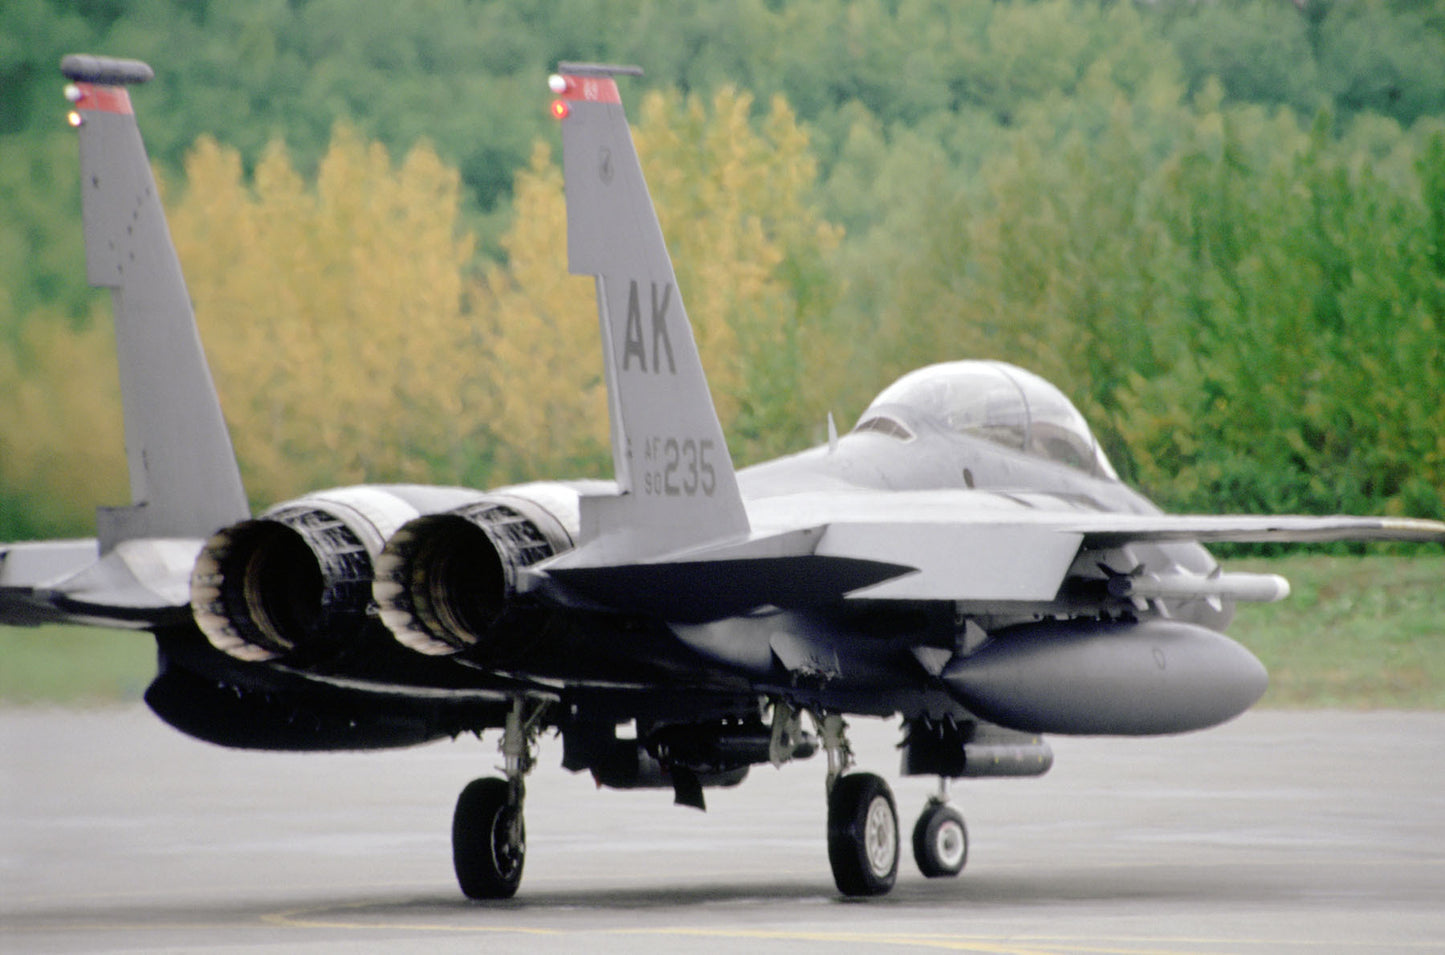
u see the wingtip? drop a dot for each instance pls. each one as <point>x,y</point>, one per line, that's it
<point>1414,529</point>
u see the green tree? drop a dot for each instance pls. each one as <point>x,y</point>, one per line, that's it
<point>1315,366</point>
<point>1056,262</point>
<point>1387,60</point>
<point>1120,195</point>
<point>1260,50</point>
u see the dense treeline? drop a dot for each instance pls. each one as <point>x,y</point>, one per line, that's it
<point>1220,227</point>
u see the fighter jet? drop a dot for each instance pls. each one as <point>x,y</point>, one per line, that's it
<point>965,559</point>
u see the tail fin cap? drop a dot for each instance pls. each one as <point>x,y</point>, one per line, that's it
<point>105,70</point>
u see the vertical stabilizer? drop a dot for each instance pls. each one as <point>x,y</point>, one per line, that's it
<point>671,459</point>
<point>183,475</point>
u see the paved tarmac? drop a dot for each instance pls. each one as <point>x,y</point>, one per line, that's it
<point>1282,832</point>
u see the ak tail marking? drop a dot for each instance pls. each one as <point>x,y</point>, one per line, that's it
<point>678,490</point>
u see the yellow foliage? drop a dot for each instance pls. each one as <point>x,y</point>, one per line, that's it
<point>61,432</point>
<point>540,381</point>
<point>334,316</point>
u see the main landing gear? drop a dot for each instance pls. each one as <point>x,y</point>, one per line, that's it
<point>489,836</point>
<point>862,835</point>
<point>863,844</point>
<point>489,839</point>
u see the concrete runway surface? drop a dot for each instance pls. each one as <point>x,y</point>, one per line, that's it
<point>1282,832</point>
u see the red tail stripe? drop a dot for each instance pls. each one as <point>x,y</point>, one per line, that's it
<point>105,99</point>
<point>591,89</point>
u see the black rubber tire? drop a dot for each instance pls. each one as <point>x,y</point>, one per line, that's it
<point>862,835</point>
<point>489,840</point>
<point>940,842</point>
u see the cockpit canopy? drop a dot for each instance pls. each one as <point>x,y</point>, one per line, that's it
<point>995,401</point>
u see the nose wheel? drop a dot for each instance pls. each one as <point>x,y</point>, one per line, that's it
<point>940,841</point>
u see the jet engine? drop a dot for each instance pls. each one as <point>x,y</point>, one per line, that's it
<point>295,582</point>
<point>446,583</point>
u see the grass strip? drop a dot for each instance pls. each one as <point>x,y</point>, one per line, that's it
<point>1357,632</point>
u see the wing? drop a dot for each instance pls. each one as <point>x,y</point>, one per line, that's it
<point>183,475</point>
<point>962,545</point>
<point>1116,529</point>
<point>1029,557</point>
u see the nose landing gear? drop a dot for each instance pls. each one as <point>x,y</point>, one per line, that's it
<point>940,839</point>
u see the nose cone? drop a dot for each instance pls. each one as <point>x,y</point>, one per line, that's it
<point>1106,678</point>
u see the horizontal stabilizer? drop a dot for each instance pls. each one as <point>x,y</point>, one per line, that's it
<point>139,583</point>
<point>705,590</point>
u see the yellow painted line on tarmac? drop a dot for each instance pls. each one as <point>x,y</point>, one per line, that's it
<point>315,918</point>
<point>57,928</point>
<point>335,917</point>
<point>1004,945</point>
<point>953,943</point>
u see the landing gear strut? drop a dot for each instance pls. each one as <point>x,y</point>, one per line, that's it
<point>862,820</point>
<point>489,835</point>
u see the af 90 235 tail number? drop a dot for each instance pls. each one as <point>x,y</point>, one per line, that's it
<point>679,467</point>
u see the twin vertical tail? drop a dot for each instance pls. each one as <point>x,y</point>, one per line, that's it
<point>183,474</point>
<point>674,472</point>
<point>678,490</point>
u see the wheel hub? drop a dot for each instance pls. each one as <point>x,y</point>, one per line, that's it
<point>950,844</point>
<point>880,842</point>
